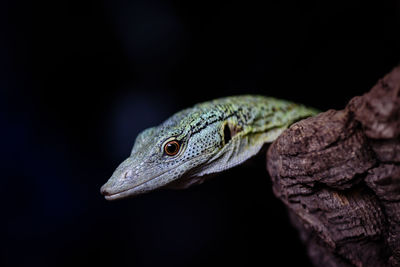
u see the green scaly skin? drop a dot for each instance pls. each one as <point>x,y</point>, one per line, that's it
<point>213,136</point>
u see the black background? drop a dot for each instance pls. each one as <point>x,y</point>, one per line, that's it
<point>79,80</point>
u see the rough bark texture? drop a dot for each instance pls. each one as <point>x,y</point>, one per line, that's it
<point>339,175</point>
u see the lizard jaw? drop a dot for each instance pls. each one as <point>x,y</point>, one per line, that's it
<point>136,189</point>
<point>146,185</point>
<point>123,194</point>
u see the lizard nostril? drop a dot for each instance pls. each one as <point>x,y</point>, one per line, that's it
<point>128,174</point>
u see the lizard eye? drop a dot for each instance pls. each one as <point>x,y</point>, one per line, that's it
<point>171,148</point>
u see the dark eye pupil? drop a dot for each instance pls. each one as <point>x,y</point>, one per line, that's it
<point>171,148</point>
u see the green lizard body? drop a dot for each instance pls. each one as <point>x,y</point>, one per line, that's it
<point>203,140</point>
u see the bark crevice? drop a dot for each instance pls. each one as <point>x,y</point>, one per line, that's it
<point>339,175</point>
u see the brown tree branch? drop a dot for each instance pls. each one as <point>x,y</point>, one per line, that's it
<point>339,175</point>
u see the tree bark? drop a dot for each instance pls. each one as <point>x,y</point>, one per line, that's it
<point>339,175</point>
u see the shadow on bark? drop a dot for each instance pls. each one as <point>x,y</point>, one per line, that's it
<point>339,175</point>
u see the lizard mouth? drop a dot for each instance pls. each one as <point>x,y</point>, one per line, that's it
<point>122,194</point>
<point>132,191</point>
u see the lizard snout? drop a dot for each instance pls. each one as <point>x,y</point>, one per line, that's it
<point>103,191</point>
<point>106,189</point>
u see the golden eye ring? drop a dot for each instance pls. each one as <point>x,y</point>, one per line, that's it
<point>171,148</point>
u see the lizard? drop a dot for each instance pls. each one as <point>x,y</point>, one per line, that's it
<point>199,142</point>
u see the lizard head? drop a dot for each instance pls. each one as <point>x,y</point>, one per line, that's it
<point>175,153</point>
